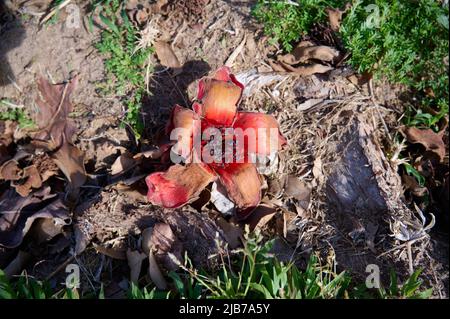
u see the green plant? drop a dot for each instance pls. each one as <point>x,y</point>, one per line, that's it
<point>287,21</point>
<point>256,273</point>
<point>26,287</point>
<point>405,42</point>
<point>252,272</point>
<point>124,63</point>
<point>143,293</point>
<point>11,112</point>
<point>54,5</point>
<point>409,290</point>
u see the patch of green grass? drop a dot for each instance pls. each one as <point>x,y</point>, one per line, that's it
<point>9,111</point>
<point>248,273</point>
<point>255,273</point>
<point>403,41</point>
<point>287,21</point>
<point>125,65</point>
<point>25,287</point>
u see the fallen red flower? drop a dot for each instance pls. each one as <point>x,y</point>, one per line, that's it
<point>218,97</point>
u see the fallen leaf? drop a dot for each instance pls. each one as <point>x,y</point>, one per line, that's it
<point>413,186</point>
<point>162,242</point>
<point>122,164</point>
<point>317,170</point>
<point>55,131</point>
<point>51,116</point>
<point>231,232</point>
<point>70,161</point>
<point>140,11</point>
<point>7,129</point>
<point>82,236</point>
<point>260,217</point>
<point>275,187</point>
<point>31,179</point>
<point>151,154</point>
<point>44,229</point>
<point>303,53</point>
<point>166,55</point>
<point>10,170</point>
<point>113,252</point>
<point>230,61</point>
<point>428,138</point>
<point>16,266</point>
<point>17,214</point>
<point>135,259</point>
<point>301,70</point>
<point>146,238</point>
<point>335,16</point>
<point>297,189</point>
<point>155,273</point>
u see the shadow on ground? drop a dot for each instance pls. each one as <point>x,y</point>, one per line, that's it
<point>168,89</point>
<point>12,34</point>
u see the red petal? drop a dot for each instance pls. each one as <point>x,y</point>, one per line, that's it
<point>265,131</point>
<point>182,118</point>
<point>222,74</point>
<point>219,96</point>
<point>178,185</point>
<point>243,184</point>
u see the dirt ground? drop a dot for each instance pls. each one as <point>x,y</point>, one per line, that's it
<point>336,132</point>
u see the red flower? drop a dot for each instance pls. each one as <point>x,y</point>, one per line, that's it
<point>218,97</point>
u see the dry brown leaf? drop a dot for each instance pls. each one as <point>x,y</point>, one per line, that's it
<point>231,232</point>
<point>82,236</point>
<point>413,186</point>
<point>151,154</point>
<point>56,130</point>
<point>260,217</point>
<point>52,116</point>
<point>70,161</point>
<point>135,259</point>
<point>166,55</point>
<point>335,16</point>
<point>16,266</point>
<point>17,214</point>
<point>309,69</point>
<point>155,273</point>
<point>304,70</point>
<point>428,138</point>
<point>32,179</point>
<point>141,12</point>
<point>162,242</point>
<point>275,187</point>
<point>146,238</point>
<point>113,252</point>
<point>303,53</point>
<point>45,229</point>
<point>298,189</point>
<point>10,170</point>
<point>7,129</point>
<point>317,170</point>
<point>123,163</point>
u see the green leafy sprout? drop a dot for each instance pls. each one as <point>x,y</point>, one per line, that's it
<point>124,63</point>
<point>252,272</point>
